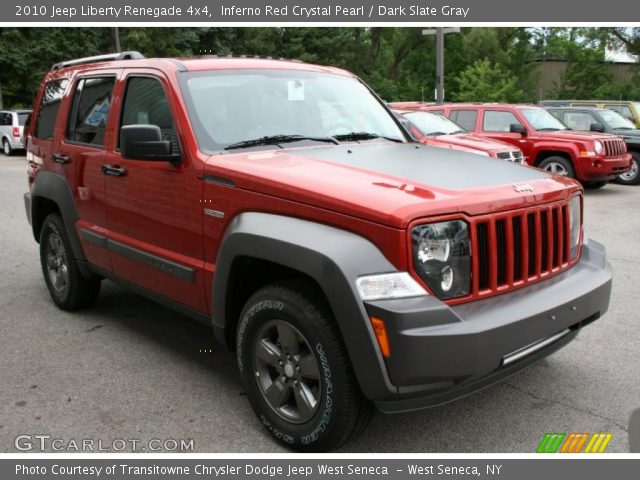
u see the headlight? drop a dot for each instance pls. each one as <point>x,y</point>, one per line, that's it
<point>575,223</point>
<point>597,147</point>
<point>388,285</point>
<point>441,257</point>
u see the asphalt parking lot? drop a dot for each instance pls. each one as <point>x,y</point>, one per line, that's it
<point>131,369</point>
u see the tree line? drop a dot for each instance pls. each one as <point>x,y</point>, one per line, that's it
<point>482,64</point>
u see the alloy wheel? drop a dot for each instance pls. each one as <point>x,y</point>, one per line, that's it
<point>57,263</point>
<point>287,371</point>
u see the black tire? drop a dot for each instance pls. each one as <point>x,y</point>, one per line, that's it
<point>558,165</point>
<point>633,176</point>
<point>67,287</point>
<point>594,185</point>
<point>6,148</point>
<point>341,412</point>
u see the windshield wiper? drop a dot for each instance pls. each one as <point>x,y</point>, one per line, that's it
<point>550,129</point>
<point>278,139</point>
<point>456,131</point>
<point>364,136</point>
<point>625,128</point>
<point>435,134</point>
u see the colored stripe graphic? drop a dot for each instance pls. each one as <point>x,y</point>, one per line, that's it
<point>550,443</point>
<point>573,442</point>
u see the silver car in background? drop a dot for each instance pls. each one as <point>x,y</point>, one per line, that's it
<point>11,127</point>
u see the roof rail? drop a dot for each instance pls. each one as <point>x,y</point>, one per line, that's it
<point>99,58</point>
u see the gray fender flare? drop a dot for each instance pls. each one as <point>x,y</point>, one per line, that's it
<point>55,188</point>
<point>334,258</point>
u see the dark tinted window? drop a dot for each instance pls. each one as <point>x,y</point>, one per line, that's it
<point>5,119</point>
<point>49,106</point>
<point>498,121</point>
<point>465,118</point>
<point>90,110</point>
<point>146,103</point>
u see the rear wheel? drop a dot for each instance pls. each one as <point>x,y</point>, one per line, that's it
<point>632,177</point>
<point>558,165</point>
<point>67,287</point>
<point>6,148</point>
<point>296,371</point>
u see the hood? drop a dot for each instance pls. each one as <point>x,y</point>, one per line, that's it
<point>473,142</point>
<point>632,135</point>
<point>390,183</point>
<point>573,135</point>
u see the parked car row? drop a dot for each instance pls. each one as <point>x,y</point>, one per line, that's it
<point>593,155</point>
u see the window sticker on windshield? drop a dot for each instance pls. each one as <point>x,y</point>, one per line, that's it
<point>296,90</point>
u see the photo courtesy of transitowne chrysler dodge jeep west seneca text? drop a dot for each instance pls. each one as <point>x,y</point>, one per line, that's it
<point>283,204</point>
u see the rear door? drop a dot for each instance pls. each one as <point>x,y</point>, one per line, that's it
<point>154,209</point>
<point>89,130</point>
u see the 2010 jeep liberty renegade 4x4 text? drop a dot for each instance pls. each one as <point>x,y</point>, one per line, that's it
<point>283,203</point>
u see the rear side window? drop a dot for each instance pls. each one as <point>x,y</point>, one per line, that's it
<point>5,119</point>
<point>49,106</point>
<point>498,121</point>
<point>90,110</point>
<point>146,103</point>
<point>465,118</point>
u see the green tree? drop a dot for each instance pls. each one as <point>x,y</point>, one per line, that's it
<point>484,81</point>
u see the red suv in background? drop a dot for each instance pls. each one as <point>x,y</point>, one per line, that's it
<point>437,130</point>
<point>592,158</point>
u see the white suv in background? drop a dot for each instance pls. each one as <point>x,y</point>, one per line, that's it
<point>11,127</point>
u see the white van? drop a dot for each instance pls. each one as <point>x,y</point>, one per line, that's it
<point>11,127</point>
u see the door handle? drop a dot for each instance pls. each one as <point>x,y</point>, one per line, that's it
<point>114,171</point>
<point>62,159</point>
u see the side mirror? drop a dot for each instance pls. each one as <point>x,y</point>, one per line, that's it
<point>596,127</point>
<point>144,142</point>
<point>517,128</point>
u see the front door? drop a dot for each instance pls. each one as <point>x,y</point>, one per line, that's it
<point>154,210</point>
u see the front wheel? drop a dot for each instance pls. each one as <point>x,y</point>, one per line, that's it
<point>296,371</point>
<point>558,165</point>
<point>631,177</point>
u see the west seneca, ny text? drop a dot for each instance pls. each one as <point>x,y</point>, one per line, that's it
<point>207,12</point>
<point>257,471</point>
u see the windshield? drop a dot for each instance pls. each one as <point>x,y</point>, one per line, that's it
<point>433,124</point>
<point>540,119</point>
<point>237,108</point>
<point>22,118</point>
<point>615,120</point>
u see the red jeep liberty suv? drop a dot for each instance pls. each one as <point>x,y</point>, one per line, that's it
<point>592,158</point>
<point>283,204</point>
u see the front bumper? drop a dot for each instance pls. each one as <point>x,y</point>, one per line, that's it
<point>440,353</point>
<point>603,168</point>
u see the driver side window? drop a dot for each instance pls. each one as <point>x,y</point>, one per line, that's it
<point>146,103</point>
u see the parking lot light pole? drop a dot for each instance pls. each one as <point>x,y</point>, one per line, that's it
<point>439,33</point>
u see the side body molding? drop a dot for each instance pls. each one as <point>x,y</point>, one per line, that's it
<point>55,188</point>
<point>334,258</point>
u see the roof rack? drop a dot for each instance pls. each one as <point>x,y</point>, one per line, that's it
<point>99,58</point>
